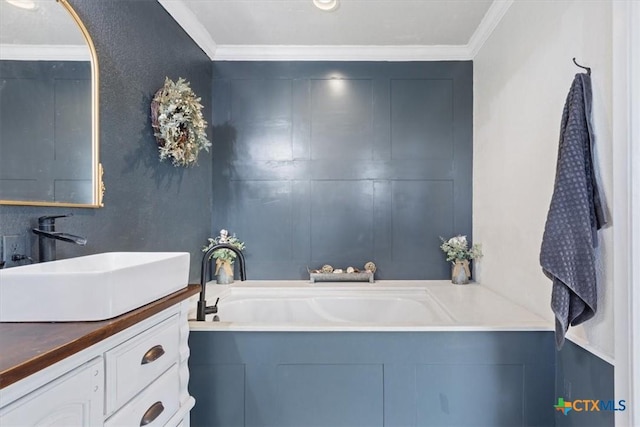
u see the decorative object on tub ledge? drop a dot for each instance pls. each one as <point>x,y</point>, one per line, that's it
<point>224,257</point>
<point>370,266</point>
<point>329,274</point>
<point>459,254</point>
<point>178,124</point>
<point>460,272</point>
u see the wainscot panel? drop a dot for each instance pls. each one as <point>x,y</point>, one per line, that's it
<point>372,378</point>
<point>581,375</point>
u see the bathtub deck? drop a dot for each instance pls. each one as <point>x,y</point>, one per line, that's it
<point>488,361</point>
<point>470,307</point>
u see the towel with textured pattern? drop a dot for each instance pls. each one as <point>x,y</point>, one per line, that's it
<point>576,213</point>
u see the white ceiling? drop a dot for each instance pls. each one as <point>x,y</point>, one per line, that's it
<point>46,32</point>
<point>358,29</point>
<point>399,30</point>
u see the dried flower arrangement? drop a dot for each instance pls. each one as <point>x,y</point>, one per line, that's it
<point>178,124</point>
<point>457,249</point>
<point>224,255</point>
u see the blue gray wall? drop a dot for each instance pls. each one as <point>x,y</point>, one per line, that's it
<point>313,163</point>
<point>149,206</point>
<point>582,375</point>
<point>343,163</point>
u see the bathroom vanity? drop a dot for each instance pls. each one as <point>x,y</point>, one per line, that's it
<point>125,371</point>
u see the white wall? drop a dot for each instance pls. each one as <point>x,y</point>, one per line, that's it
<point>626,187</point>
<point>522,75</point>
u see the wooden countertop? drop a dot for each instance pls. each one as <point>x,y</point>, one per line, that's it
<point>26,348</point>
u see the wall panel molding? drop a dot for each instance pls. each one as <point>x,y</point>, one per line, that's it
<point>375,159</point>
<point>338,378</point>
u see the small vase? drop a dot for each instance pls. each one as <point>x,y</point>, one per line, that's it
<point>460,272</point>
<point>224,272</point>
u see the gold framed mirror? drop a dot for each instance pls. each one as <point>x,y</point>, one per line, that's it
<point>49,125</point>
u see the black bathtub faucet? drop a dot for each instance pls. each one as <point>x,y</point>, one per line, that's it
<point>203,310</point>
<point>47,236</point>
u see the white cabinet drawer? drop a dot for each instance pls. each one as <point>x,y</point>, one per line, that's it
<point>136,363</point>
<point>154,406</point>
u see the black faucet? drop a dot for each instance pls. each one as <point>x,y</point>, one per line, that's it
<point>47,236</point>
<point>203,310</point>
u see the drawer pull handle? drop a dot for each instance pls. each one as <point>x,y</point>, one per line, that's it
<point>152,354</point>
<point>152,413</point>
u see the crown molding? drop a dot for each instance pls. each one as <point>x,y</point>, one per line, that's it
<point>340,53</point>
<point>191,25</point>
<point>488,24</point>
<point>194,28</point>
<point>29,52</point>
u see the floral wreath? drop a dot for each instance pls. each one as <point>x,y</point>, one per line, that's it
<point>179,128</point>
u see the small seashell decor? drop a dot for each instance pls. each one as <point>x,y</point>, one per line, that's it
<point>351,274</point>
<point>370,266</point>
<point>326,269</point>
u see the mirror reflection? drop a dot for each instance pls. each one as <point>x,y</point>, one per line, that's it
<point>48,99</point>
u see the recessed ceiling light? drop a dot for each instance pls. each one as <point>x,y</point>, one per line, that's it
<point>326,5</point>
<point>23,4</point>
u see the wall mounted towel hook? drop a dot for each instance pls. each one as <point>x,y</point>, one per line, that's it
<point>586,68</point>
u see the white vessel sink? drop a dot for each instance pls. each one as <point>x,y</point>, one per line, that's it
<point>94,287</point>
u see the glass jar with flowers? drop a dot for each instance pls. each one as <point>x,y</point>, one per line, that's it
<point>459,254</point>
<point>224,257</point>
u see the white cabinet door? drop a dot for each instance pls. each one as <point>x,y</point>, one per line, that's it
<point>74,399</point>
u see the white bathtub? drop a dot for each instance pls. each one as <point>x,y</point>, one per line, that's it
<point>384,305</point>
<point>356,305</point>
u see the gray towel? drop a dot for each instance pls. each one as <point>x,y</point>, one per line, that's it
<point>568,253</point>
